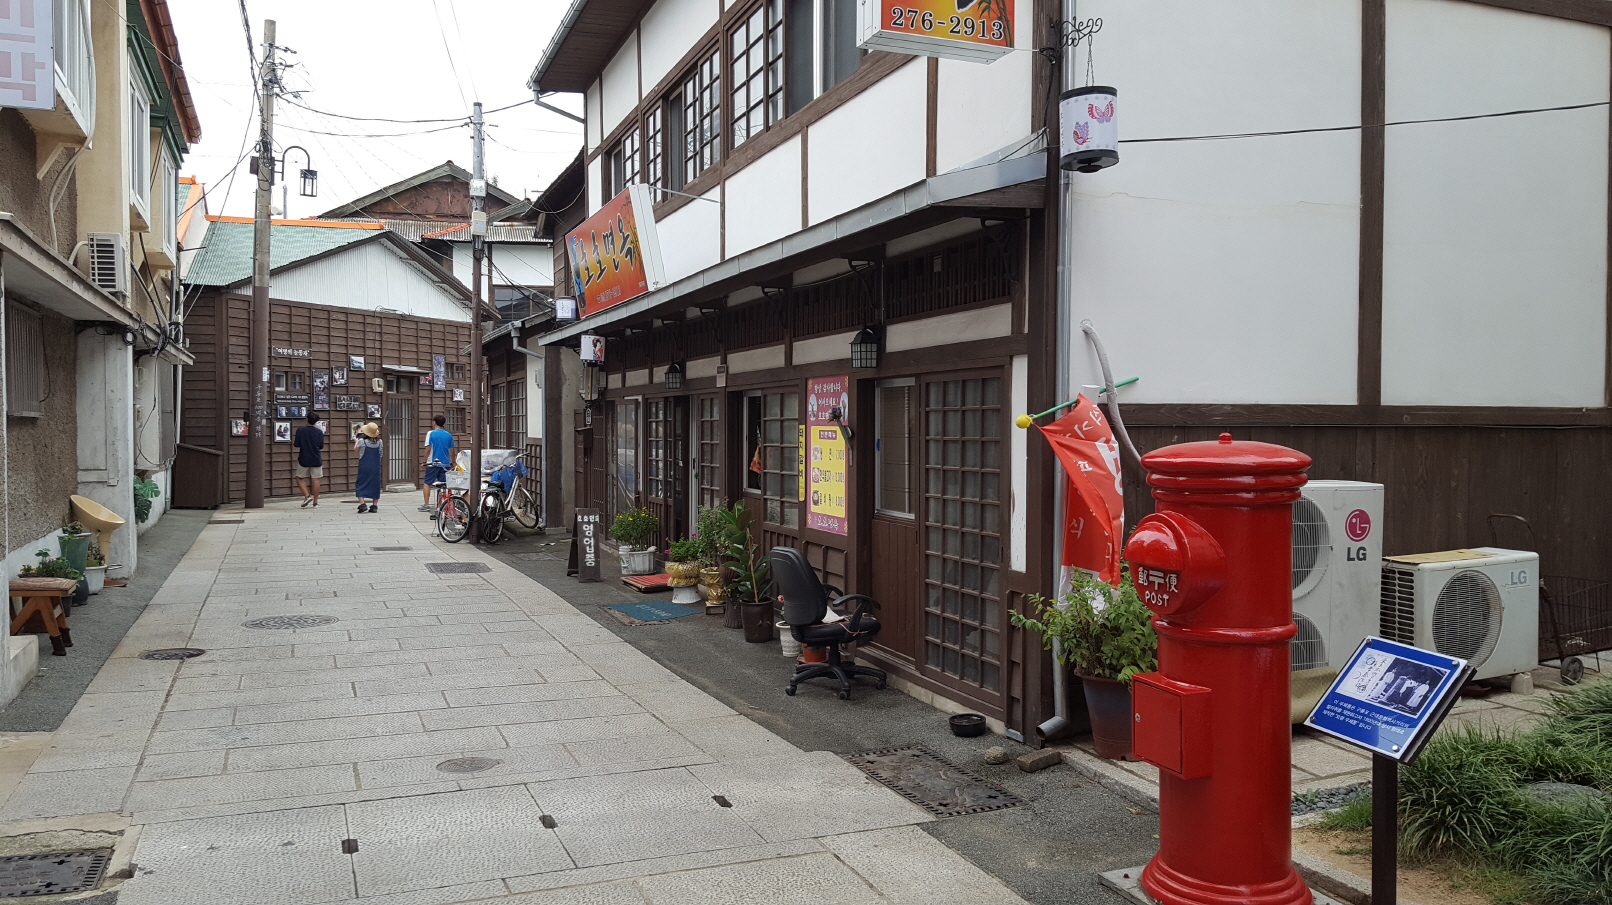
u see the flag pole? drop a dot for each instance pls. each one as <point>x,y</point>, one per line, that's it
<point>1024,421</point>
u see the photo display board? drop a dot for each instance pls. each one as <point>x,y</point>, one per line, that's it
<point>1390,697</point>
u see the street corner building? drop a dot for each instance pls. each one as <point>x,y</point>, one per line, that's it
<point>95,120</point>
<point>803,269</point>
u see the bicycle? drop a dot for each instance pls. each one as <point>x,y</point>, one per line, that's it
<point>498,505</point>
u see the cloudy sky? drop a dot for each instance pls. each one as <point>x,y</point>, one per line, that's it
<point>394,59</point>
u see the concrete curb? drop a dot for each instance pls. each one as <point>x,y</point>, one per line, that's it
<point>1138,791</point>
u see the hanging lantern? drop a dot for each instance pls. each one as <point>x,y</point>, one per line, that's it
<point>674,376</point>
<point>865,348</point>
<point>565,309</point>
<point>310,183</point>
<point>1088,129</point>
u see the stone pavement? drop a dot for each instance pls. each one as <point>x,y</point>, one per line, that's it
<point>313,764</point>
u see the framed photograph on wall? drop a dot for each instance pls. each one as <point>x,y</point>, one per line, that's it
<point>349,403</point>
<point>338,376</point>
<point>458,395</point>
<point>282,432</point>
<point>372,410</point>
<point>355,362</point>
<point>353,428</point>
<point>323,426</point>
<point>237,427</point>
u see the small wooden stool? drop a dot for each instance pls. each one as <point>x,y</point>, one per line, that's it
<point>42,606</point>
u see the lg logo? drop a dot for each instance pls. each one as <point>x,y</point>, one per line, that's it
<point>1358,527</point>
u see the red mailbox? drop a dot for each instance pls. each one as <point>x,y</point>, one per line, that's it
<point>1214,565</point>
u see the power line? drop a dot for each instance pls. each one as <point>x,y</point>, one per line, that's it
<point>251,49</point>
<point>375,134</point>
<point>452,66</point>
<point>1402,122</point>
<point>371,119</point>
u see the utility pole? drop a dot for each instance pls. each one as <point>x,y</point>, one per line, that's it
<point>257,444</point>
<point>478,235</point>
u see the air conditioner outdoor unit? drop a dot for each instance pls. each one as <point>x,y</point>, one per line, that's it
<point>1337,569</point>
<point>109,262</point>
<point>1481,605</point>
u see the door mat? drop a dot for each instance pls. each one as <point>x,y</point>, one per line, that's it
<point>932,782</point>
<point>647,584</point>
<point>652,611</point>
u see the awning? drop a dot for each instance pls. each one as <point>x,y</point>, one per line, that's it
<point>966,187</point>
<point>404,369</point>
<point>37,272</point>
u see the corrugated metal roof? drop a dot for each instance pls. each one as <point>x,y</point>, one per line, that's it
<point>225,257</point>
<point>415,230</point>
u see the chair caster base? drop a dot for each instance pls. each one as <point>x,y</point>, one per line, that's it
<point>845,695</point>
<point>790,691</point>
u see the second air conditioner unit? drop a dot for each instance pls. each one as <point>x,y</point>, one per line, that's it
<point>1481,605</point>
<point>1337,568</point>
<point>109,263</point>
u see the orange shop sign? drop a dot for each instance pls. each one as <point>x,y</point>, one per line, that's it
<point>615,254</point>
<point>977,31</point>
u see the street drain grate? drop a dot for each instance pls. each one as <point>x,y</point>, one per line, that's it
<point>47,875</point>
<point>173,653</point>
<point>389,549</point>
<point>468,764</point>
<point>456,568</point>
<point>288,622</point>
<point>932,782</point>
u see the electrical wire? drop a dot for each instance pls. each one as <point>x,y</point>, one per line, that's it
<point>293,101</point>
<point>373,134</point>
<point>452,66</point>
<point>1402,122</point>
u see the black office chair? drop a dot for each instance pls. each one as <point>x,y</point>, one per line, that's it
<point>806,602</point>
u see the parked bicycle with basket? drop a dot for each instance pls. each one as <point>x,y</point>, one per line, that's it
<point>504,497</point>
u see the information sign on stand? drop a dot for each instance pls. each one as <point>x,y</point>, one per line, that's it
<point>584,559</point>
<point>1389,699</point>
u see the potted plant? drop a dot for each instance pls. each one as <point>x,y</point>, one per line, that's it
<point>1107,637</point>
<point>683,565</point>
<point>95,568</point>
<point>75,544</point>
<point>635,530</point>
<point>145,490</point>
<point>750,575</point>
<point>709,530</point>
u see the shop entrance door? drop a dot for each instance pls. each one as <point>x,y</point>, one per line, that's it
<point>896,563</point>
<point>666,468</point>
<point>962,530</point>
<point>402,459</point>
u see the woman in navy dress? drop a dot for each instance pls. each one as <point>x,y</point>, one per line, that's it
<point>368,444</point>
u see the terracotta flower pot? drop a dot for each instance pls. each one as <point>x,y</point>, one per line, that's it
<point>1109,703</point>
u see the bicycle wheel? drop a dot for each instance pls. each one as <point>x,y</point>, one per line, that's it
<point>492,528</point>
<point>524,508</point>
<point>453,519</point>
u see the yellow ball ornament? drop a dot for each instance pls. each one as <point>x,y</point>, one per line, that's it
<point>1024,421</point>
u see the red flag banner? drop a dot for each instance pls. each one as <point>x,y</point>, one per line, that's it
<point>1094,503</point>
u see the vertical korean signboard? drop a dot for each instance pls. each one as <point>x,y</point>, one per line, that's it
<point>826,454</point>
<point>976,31</point>
<point>615,254</point>
<point>27,63</point>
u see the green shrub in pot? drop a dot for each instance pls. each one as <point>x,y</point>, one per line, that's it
<point>1107,632</point>
<point>636,528</point>
<point>51,567</point>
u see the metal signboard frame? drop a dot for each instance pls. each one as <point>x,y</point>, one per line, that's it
<point>1390,697</point>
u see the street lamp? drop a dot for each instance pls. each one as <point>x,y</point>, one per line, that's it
<point>308,185</point>
<point>865,348</point>
<point>674,376</point>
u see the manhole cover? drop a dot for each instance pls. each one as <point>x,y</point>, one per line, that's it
<point>173,653</point>
<point>453,568</point>
<point>468,764</point>
<point>285,622</point>
<point>932,782</point>
<point>227,521</point>
<point>389,549</point>
<point>48,875</point>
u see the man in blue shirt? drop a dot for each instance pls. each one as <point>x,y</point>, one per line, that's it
<point>310,461</point>
<point>438,456</point>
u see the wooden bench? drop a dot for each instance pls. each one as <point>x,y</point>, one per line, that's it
<point>42,610</point>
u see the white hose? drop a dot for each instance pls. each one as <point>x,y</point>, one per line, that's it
<point>1112,396</point>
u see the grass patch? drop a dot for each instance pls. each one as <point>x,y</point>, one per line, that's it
<point>1356,815</point>
<point>1462,802</point>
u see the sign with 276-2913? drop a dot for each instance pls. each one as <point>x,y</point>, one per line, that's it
<point>978,31</point>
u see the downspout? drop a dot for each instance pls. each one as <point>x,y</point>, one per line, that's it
<point>1060,724</point>
<point>5,411</point>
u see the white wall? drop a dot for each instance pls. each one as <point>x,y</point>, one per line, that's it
<point>590,112</point>
<point>366,277</point>
<point>982,108</point>
<point>620,85</point>
<point>1225,271</point>
<point>690,237</point>
<point>763,199</point>
<point>889,116</point>
<point>1494,270</point>
<point>669,30</point>
<point>523,264</point>
<point>106,435</point>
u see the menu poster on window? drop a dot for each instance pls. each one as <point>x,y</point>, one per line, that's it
<point>828,399</point>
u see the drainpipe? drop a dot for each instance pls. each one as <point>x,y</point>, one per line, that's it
<point>1064,320</point>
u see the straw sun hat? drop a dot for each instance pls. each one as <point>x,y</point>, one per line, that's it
<point>371,430</point>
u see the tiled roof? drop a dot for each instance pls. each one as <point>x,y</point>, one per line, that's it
<point>225,257</point>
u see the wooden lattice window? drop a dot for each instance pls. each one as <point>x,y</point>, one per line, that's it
<point>656,448</point>
<point>517,411</point>
<point>963,529</point>
<point>456,421</point>
<point>500,419</point>
<point>709,440</point>
<point>773,429</point>
<point>757,48</point>
<point>702,117</point>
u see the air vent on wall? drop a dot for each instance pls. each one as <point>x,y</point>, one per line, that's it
<point>109,263</point>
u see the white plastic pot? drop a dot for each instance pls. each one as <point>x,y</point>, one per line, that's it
<point>637,562</point>
<point>787,641</point>
<point>95,577</point>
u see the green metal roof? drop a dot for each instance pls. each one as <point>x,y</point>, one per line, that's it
<point>225,257</point>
